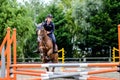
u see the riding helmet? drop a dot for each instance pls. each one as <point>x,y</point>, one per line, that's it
<point>50,16</point>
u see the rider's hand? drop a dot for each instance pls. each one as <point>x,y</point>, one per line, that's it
<point>48,32</point>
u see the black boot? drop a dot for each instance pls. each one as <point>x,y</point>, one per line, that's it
<point>54,48</point>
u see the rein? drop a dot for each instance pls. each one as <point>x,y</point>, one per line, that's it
<point>40,39</point>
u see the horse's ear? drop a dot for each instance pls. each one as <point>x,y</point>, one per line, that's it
<point>38,25</point>
<point>42,27</point>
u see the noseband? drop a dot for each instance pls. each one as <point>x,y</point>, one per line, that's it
<point>39,38</point>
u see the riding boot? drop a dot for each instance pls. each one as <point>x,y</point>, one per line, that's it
<point>54,48</point>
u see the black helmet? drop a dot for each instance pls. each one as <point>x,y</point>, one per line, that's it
<point>50,16</point>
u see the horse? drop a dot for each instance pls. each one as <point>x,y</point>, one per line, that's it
<point>46,48</point>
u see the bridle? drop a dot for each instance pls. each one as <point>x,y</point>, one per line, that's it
<point>40,40</point>
<point>40,36</point>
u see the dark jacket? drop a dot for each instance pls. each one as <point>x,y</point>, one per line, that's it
<point>50,27</point>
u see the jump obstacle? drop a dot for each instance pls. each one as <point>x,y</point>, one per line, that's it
<point>13,69</point>
<point>114,56</point>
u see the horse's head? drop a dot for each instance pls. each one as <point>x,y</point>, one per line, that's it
<point>40,31</point>
<point>41,34</point>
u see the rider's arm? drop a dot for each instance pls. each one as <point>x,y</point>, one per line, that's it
<point>44,24</point>
<point>53,28</point>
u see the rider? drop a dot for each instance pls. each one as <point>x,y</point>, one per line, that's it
<point>50,27</point>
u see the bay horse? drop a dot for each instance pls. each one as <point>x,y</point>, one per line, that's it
<point>46,48</point>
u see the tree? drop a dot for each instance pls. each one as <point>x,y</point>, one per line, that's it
<point>104,27</point>
<point>16,16</point>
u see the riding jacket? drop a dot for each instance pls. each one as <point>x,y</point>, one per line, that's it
<point>49,27</point>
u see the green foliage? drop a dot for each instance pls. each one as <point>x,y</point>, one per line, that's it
<point>17,17</point>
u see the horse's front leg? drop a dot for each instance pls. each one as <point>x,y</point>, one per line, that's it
<point>50,51</point>
<point>47,68</point>
<point>53,69</point>
<point>44,60</point>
